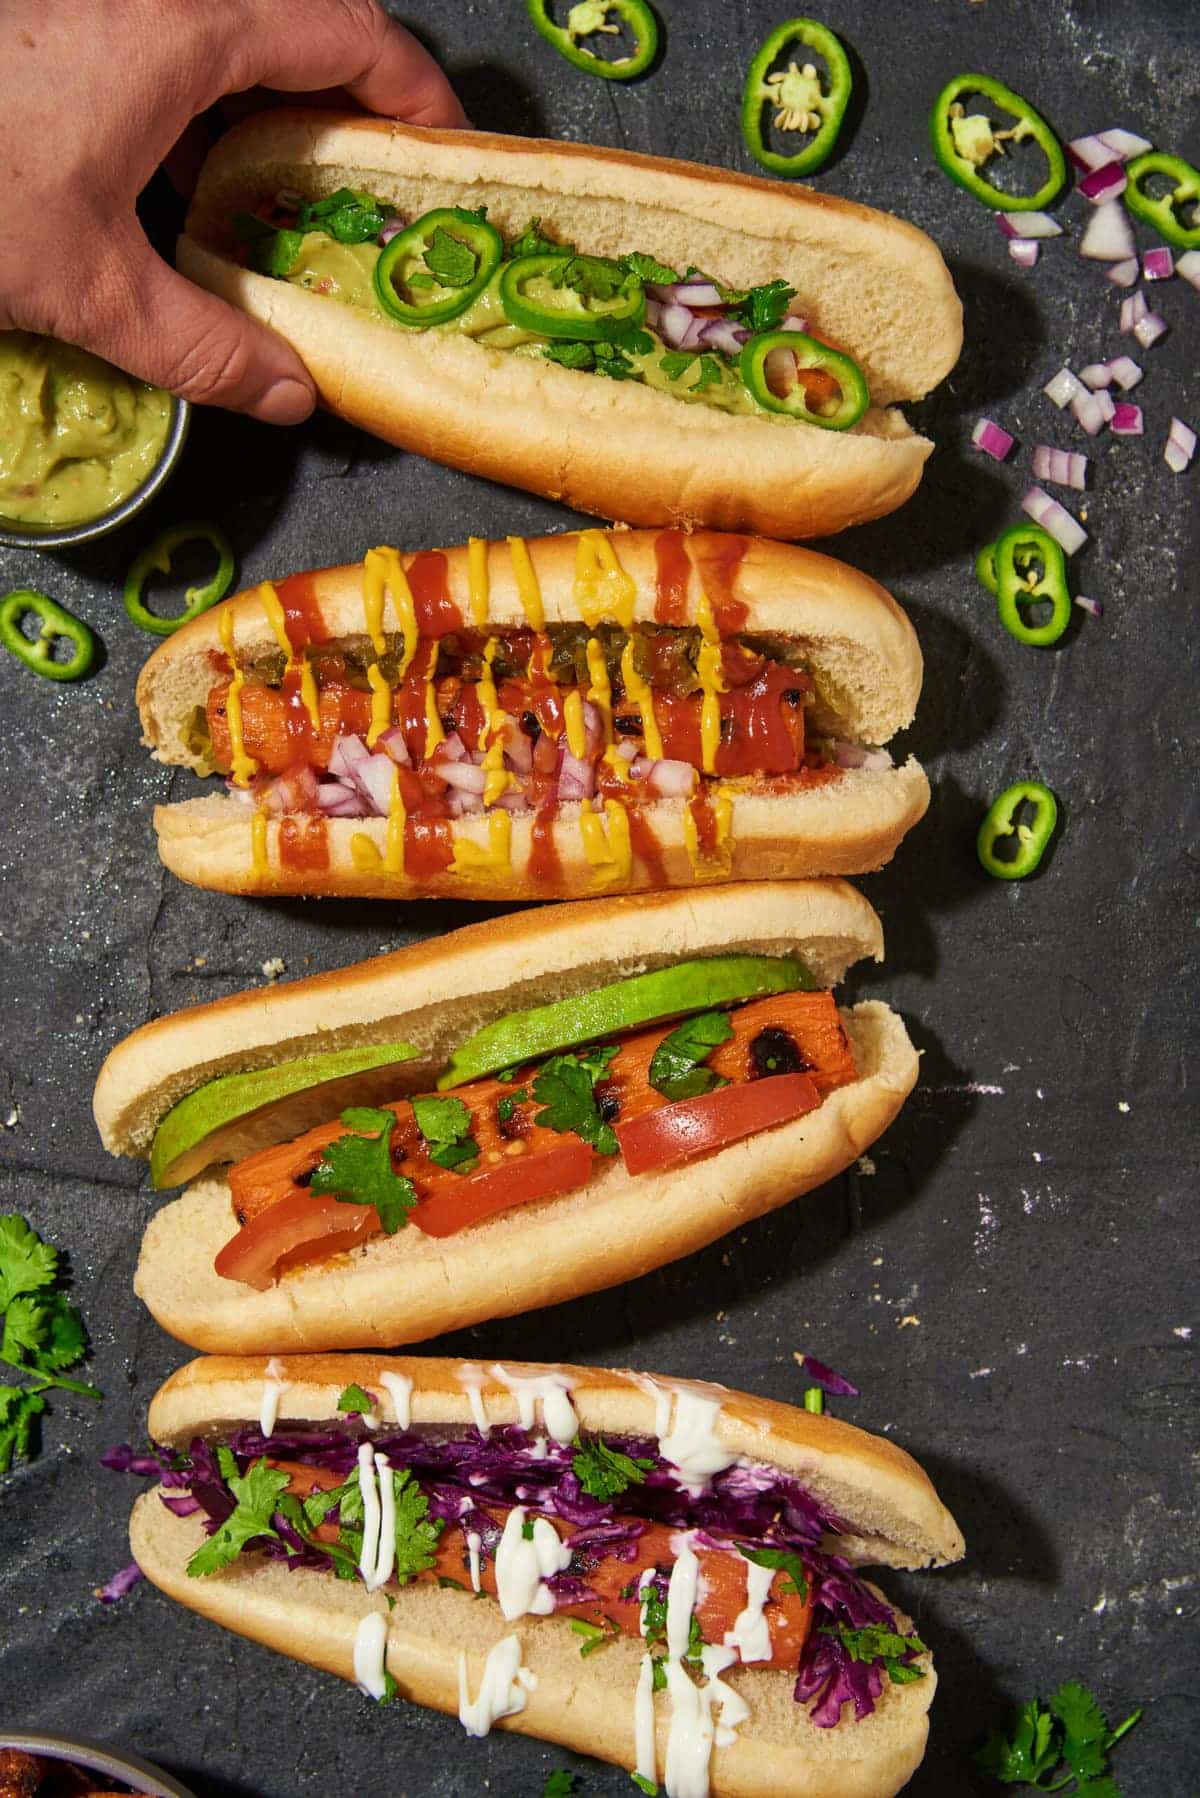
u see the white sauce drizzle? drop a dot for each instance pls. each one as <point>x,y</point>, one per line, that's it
<point>399,1387</point>
<point>370,1652</point>
<point>690,1737</point>
<point>369,1490</point>
<point>500,1691</point>
<point>750,1637</point>
<point>643,1724</point>
<point>540,1449</point>
<point>691,1445</point>
<point>471,1380</point>
<point>646,1579</point>
<point>732,1709</point>
<point>386,1554</point>
<point>474,1544</point>
<point>683,1589</point>
<point>552,1392</point>
<point>523,1563</point>
<point>274,1387</point>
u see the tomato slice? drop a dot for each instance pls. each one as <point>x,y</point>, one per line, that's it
<point>517,1181</point>
<point>691,1127</point>
<point>295,1230</point>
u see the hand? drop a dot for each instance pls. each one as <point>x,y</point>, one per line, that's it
<point>93,96</point>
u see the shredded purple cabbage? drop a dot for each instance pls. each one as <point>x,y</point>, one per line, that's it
<point>751,1504</point>
<point>836,1384</point>
<point>114,1589</point>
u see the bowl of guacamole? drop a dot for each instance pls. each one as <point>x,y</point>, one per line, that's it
<point>82,445</point>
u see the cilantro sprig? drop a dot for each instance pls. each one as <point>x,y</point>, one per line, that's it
<point>357,1169</point>
<point>257,1492</point>
<point>1062,1746</point>
<point>42,1334</point>
<point>762,308</point>
<point>676,1067</point>
<point>876,1642</point>
<point>559,1784</point>
<point>565,1088</point>
<point>605,1472</point>
<point>353,1399</point>
<point>785,1559</point>
<point>446,1126</point>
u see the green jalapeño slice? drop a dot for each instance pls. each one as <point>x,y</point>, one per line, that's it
<point>436,267</point>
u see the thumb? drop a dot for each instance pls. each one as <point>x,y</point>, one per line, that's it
<point>147,319</point>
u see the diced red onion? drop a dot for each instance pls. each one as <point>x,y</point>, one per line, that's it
<point>242,795</point>
<point>1087,409</point>
<point>1123,274</point>
<point>722,334</point>
<point>653,314</point>
<point>1126,420</point>
<point>1189,267</point>
<point>545,755</point>
<point>1063,388</point>
<point>1088,153</point>
<point>1028,224</point>
<point>794,323</point>
<point>1148,330</point>
<point>1104,183</point>
<point>627,750</point>
<point>464,777</point>
<point>390,228</point>
<point>1024,251</point>
<point>1123,144</point>
<point>1106,403</point>
<point>451,749</point>
<point>293,791</point>
<point>576,779</point>
<point>513,799</point>
<point>991,439</point>
<point>1109,234</point>
<point>855,755</point>
<point>1067,532</point>
<point>1158,264</point>
<point>671,779</point>
<point>693,337</point>
<point>347,753</point>
<point>695,293</point>
<point>1096,374</point>
<point>1089,605</point>
<point>640,767</point>
<point>374,779</point>
<point>337,800</point>
<point>1125,372</point>
<point>459,803</point>
<point>518,750</point>
<point>391,741</point>
<point>674,322</point>
<point>1132,309</point>
<point>592,728</point>
<point>1066,468</point>
<point>1181,446</point>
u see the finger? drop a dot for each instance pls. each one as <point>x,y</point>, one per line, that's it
<point>140,314</point>
<point>300,46</point>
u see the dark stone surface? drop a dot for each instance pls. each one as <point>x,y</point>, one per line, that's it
<point>1013,1284</point>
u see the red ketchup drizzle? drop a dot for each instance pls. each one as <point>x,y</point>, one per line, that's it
<point>428,847</point>
<point>705,820</point>
<point>718,558</point>
<point>436,613</point>
<point>646,846</point>
<point>304,843</point>
<point>301,611</point>
<point>673,571</point>
<point>545,868</point>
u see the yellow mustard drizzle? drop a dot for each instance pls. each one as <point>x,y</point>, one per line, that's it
<point>613,759</point>
<point>498,778</point>
<point>477,579</point>
<point>602,587</point>
<point>608,852</point>
<point>364,854</point>
<point>243,767</point>
<point>397,818</point>
<point>600,688</point>
<point>434,734</point>
<point>383,572</point>
<point>706,867</point>
<point>278,622</point>
<point>472,858</point>
<point>638,690</point>
<point>575,727</point>
<point>258,843</point>
<point>712,680</point>
<point>528,591</point>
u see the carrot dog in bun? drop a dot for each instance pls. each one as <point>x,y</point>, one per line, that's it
<point>668,1569</point>
<point>597,712</point>
<point>646,340</point>
<point>513,1114</point>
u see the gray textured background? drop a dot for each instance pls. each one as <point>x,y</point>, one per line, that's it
<point>1011,1284</point>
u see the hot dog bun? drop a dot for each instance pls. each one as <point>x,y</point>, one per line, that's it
<point>870,282</point>
<point>409,1286</point>
<point>858,643</point>
<point>895,1516</point>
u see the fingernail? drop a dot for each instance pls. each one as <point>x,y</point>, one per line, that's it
<point>285,402</point>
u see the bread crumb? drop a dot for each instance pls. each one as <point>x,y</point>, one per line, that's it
<point>201,961</point>
<point>1123,1105</point>
<point>13,1117</point>
<point>878,1261</point>
<point>979,1373</point>
<point>908,1318</point>
<point>864,1165</point>
<point>274,968</point>
<point>1183,1331</point>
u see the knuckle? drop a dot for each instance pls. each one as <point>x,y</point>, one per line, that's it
<point>211,365</point>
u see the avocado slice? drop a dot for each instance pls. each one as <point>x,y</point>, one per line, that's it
<point>675,992</point>
<point>177,1150</point>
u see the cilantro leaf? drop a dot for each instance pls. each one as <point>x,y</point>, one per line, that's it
<point>1084,1729</point>
<point>354,1399</point>
<point>639,1779</point>
<point>26,1262</point>
<point>508,1104</point>
<point>763,308</point>
<point>559,1784</point>
<point>675,363</point>
<point>272,251</point>
<point>876,1642</point>
<point>347,216</point>
<point>785,1559</point>
<point>258,1492</point>
<point>1031,1752</point>
<point>711,373</point>
<point>604,1472</point>
<point>565,1086</point>
<point>446,1126</point>
<point>532,242</point>
<point>646,268</point>
<point>453,262</point>
<point>416,1535</point>
<point>675,1066</point>
<point>1070,1730</point>
<point>20,1407</point>
<point>594,277</point>
<point>632,340</point>
<point>571,355</point>
<point>659,1673</point>
<point>357,1170</point>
